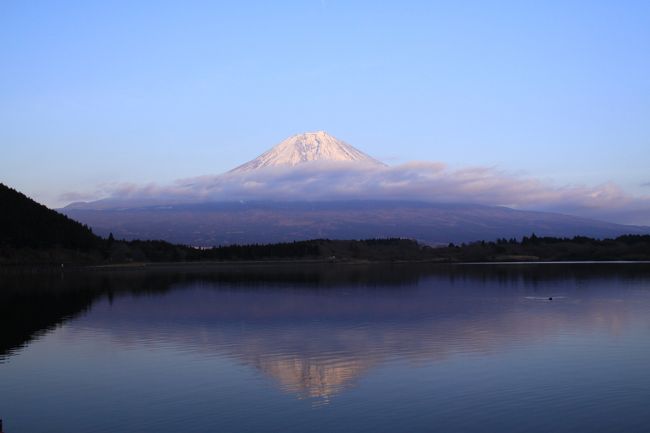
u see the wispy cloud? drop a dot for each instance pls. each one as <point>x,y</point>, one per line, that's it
<point>426,181</point>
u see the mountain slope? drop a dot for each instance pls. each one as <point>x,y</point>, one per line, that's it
<point>30,233</point>
<point>340,200</point>
<point>307,147</point>
<point>25,223</point>
<point>266,222</point>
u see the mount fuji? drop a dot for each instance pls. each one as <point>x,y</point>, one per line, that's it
<point>308,147</point>
<point>307,187</point>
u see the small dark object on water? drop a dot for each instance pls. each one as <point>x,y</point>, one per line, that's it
<point>550,298</point>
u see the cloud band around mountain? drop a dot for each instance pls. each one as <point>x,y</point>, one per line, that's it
<point>415,181</point>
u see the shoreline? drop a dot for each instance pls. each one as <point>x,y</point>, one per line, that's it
<point>299,262</point>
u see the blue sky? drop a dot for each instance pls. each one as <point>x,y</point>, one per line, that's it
<point>108,92</point>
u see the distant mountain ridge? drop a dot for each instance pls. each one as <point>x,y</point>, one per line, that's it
<point>224,223</point>
<point>308,147</point>
<point>310,202</point>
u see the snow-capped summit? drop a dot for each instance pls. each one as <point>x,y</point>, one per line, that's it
<point>306,147</point>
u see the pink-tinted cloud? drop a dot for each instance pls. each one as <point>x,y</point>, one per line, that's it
<point>418,181</point>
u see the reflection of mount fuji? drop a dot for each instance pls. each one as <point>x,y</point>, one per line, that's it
<point>316,337</point>
<point>313,378</point>
<point>307,209</point>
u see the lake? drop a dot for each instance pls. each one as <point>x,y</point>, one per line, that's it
<point>325,348</point>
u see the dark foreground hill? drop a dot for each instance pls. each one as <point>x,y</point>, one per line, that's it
<point>30,232</point>
<point>26,223</point>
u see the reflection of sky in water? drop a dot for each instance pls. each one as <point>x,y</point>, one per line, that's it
<point>315,344</point>
<point>467,353</point>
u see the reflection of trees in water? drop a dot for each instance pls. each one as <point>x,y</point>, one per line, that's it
<point>322,343</point>
<point>32,303</point>
<point>317,339</point>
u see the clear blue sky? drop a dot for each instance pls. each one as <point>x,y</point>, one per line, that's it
<point>94,92</point>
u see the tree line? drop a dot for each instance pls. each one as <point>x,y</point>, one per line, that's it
<point>32,233</point>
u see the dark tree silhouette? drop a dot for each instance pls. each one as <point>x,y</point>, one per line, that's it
<point>32,233</point>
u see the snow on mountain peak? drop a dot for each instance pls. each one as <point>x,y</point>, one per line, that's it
<point>307,147</point>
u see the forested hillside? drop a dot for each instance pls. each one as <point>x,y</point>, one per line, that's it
<point>26,223</point>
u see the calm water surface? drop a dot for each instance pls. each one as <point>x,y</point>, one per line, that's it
<point>328,348</point>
